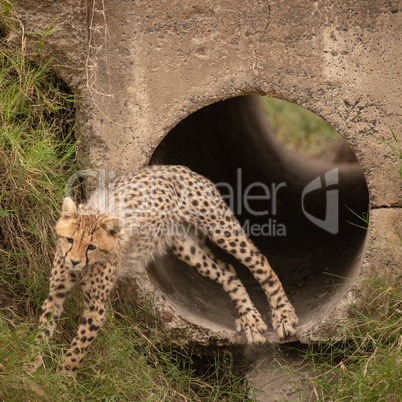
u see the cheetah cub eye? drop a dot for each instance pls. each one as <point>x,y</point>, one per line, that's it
<point>70,240</point>
<point>91,247</point>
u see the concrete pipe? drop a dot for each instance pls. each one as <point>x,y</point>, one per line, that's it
<point>231,143</point>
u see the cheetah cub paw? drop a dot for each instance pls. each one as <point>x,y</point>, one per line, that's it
<point>253,326</point>
<point>284,321</point>
<point>33,366</point>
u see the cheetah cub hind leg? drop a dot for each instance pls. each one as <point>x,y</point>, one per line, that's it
<point>193,252</point>
<point>284,320</point>
<point>253,326</point>
<point>250,320</point>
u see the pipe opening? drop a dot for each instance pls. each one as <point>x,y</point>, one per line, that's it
<point>286,202</point>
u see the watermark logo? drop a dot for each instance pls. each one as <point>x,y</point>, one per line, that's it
<point>71,182</point>
<point>331,221</point>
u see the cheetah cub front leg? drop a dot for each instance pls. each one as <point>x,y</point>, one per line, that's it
<point>96,298</point>
<point>62,281</point>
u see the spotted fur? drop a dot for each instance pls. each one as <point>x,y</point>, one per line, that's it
<point>142,216</point>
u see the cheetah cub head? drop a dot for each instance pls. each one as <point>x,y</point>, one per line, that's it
<point>86,237</point>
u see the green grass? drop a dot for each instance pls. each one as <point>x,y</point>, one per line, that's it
<point>125,363</point>
<point>37,152</point>
<point>366,363</point>
<point>298,128</point>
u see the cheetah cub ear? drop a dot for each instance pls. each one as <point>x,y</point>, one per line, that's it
<point>112,225</point>
<point>69,209</point>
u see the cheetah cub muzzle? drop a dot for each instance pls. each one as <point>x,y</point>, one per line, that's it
<point>103,240</point>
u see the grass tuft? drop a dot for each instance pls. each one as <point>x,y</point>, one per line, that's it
<point>367,364</point>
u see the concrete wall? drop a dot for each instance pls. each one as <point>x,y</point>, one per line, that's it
<point>141,67</point>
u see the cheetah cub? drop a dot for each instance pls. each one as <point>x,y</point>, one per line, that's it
<point>136,220</point>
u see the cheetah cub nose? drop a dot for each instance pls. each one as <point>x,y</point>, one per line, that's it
<point>73,262</point>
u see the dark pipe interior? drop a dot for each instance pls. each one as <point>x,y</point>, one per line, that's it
<point>234,134</point>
